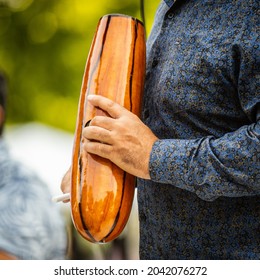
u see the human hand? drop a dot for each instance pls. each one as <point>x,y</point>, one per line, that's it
<point>66,184</point>
<point>120,137</point>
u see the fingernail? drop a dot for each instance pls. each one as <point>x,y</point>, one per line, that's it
<point>90,97</point>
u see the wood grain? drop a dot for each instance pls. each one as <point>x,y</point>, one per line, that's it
<point>102,193</point>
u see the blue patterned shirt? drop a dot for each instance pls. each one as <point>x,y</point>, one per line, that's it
<point>202,100</point>
<point>31,227</point>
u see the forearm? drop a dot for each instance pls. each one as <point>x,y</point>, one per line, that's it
<point>227,166</point>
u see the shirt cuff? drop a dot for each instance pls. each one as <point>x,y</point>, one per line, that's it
<point>168,160</point>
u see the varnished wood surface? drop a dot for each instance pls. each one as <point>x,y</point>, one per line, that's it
<point>102,193</point>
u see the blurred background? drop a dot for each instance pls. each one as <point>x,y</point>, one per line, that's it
<point>44,45</point>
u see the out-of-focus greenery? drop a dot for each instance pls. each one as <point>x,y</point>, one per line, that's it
<point>44,45</point>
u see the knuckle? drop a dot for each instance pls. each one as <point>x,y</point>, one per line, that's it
<point>104,150</point>
<point>93,121</point>
<point>110,103</point>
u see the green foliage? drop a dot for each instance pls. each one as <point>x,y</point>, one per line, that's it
<point>44,45</point>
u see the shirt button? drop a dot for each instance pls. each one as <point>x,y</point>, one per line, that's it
<point>170,15</point>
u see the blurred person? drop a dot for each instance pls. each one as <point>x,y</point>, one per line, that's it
<point>196,151</point>
<point>31,225</point>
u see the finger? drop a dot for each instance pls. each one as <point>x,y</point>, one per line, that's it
<point>97,134</point>
<point>66,183</point>
<point>112,108</point>
<point>102,121</point>
<point>97,148</point>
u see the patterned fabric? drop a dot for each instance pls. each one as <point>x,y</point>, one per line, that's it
<point>202,100</point>
<point>31,227</point>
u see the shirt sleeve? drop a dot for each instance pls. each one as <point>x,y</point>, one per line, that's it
<point>226,166</point>
<point>31,226</point>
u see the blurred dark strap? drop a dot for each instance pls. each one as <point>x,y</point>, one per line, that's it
<point>142,13</point>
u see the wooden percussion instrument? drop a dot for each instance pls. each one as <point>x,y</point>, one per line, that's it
<point>102,193</point>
